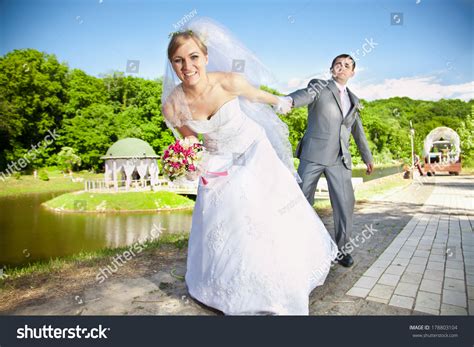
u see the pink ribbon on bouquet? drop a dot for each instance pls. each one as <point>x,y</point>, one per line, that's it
<point>211,173</point>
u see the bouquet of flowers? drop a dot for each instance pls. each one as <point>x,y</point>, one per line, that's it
<point>182,158</point>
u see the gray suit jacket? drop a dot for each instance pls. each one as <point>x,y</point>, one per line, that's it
<point>328,131</point>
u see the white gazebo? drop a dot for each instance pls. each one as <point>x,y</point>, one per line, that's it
<point>130,160</point>
<point>443,135</point>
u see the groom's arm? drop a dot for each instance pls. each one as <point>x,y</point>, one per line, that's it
<point>361,141</point>
<point>305,96</point>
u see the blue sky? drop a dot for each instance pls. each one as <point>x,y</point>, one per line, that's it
<point>429,55</point>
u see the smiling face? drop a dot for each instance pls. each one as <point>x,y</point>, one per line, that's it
<point>342,69</point>
<point>189,62</point>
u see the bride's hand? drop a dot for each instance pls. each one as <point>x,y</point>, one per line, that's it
<point>284,105</point>
<point>192,176</point>
<point>192,139</point>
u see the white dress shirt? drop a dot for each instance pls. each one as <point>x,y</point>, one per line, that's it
<point>344,97</point>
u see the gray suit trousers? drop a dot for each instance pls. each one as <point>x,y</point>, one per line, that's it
<point>341,193</point>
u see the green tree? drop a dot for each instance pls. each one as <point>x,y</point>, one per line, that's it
<point>37,94</point>
<point>91,132</point>
<point>82,91</point>
<point>466,134</point>
<point>32,89</point>
<point>67,159</point>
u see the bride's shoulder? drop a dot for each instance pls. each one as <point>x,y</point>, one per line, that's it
<point>175,93</point>
<point>173,98</point>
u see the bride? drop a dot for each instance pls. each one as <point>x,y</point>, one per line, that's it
<point>256,246</point>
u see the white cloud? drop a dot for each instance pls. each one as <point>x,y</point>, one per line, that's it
<point>301,82</point>
<point>418,87</point>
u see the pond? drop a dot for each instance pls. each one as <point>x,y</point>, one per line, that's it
<point>29,232</point>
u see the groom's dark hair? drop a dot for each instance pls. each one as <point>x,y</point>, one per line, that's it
<point>344,56</point>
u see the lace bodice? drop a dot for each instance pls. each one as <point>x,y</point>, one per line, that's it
<point>229,130</point>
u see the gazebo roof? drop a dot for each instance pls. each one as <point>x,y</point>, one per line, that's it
<point>130,148</point>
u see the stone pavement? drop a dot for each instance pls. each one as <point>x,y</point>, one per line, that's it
<point>429,266</point>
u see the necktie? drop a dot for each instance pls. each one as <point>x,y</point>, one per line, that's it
<point>345,103</point>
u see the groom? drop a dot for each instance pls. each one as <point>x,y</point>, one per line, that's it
<point>333,115</point>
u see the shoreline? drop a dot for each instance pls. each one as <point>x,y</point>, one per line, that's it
<point>164,209</point>
<point>125,202</point>
<point>19,272</point>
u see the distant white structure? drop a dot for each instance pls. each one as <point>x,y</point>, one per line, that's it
<point>446,138</point>
<point>128,162</point>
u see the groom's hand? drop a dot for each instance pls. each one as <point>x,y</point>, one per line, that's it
<point>370,168</point>
<point>284,104</point>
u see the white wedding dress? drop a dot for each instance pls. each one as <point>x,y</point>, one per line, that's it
<point>256,245</point>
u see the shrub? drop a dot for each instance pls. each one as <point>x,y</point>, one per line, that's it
<point>67,159</point>
<point>43,175</point>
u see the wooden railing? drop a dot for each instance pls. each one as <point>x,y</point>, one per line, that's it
<point>140,185</point>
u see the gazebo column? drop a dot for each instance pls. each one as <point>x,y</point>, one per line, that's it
<point>142,169</point>
<point>114,173</point>
<point>128,167</point>
<point>153,170</point>
<point>107,173</point>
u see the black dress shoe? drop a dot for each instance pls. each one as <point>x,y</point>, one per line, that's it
<point>346,261</point>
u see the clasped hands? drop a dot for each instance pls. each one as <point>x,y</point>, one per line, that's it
<point>285,103</point>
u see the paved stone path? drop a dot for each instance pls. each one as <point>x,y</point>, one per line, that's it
<point>429,266</point>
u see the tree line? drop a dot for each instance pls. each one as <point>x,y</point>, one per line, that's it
<point>39,94</point>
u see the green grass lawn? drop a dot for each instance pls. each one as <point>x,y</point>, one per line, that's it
<point>116,202</point>
<point>381,186</point>
<point>467,170</point>
<point>58,182</point>
<point>369,189</point>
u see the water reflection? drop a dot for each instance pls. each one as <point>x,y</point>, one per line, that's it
<point>378,172</point>
<point>29,232</point>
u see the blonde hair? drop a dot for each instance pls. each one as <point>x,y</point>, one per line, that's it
<point>179,38</point>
